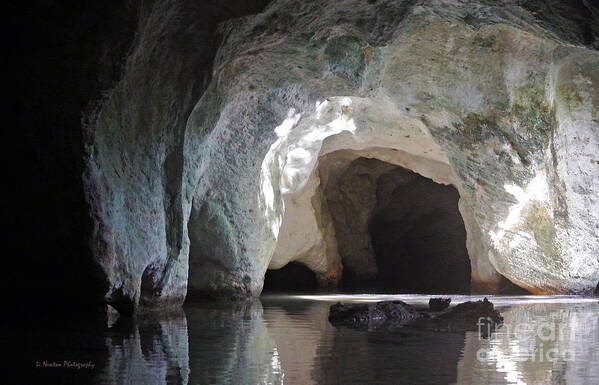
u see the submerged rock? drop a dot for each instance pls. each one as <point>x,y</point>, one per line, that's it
<point>467,316</point>
<point>372,315</point>
<point>438,304</point>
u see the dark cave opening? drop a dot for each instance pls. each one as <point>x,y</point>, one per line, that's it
<point>293,277</point>
<point>415,230</point>
<point>419,241</point>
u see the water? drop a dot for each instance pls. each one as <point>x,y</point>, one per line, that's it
<point>288,339</point>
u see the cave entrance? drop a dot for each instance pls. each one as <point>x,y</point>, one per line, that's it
<point>397,231</point>
<point>293,277</point>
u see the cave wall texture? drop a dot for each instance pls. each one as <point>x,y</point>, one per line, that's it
<point>181,147</point>
<point>134,144</point>
<point>66,58</point>
<point>472,94</point>
<point>397,231</point>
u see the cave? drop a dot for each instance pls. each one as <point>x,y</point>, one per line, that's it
<point>383,229</point>
<point>419,238</point>
<point>178,158</point>
<point>183,160</point>
<point>397,231</point>
<point>293,277</point>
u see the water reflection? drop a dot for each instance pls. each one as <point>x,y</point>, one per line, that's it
<point>524,351</point>
<point>545,343</point>
<point>280,340</point>
<point>318,353</point>
<point>150,350</point>
<point>230,344</point>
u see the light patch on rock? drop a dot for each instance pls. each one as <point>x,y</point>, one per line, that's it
<point>536,190</point>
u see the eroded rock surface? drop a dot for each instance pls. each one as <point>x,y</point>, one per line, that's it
<point>477,95</point>
<point>135,155</point>
<point>487,108</point>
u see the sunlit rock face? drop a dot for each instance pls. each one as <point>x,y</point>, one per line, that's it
<point>482,97</point>
<point>471,95</point>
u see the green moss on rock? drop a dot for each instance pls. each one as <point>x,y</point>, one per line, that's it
<point>345,57</point>
<point>540,222</point>
<point>570,96</point>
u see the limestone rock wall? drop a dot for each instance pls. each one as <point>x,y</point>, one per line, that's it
<point>135,154</point>
<point>473,87</point>
<point>479,95</point>
<point>351,195</point>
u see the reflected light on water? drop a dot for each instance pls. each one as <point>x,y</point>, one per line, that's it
<point>288,339</point>
<point>498,300</point>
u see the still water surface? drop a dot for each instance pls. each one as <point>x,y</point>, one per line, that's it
<point>288,340</point>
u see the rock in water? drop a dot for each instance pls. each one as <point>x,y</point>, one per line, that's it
<point>438,304</point>
<point>363,316</point>
<point>597,290</point>
<point>467,316</point>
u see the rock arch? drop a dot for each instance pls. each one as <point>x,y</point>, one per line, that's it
<point>312,150</point>
<point>494,110</point>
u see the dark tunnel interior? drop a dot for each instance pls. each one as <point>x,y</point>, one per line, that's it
<point>415,229</point>
<point>418,236</point>
<point>293,277</point>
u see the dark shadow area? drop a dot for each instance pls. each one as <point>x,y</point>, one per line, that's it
<point>418,236</point>
<point>575,21</point>
<point>293,277</point>
<point>152,348</point>
<point>397,231</point>
<point>403,357</point>
<point>63,57</point>
<point>46,350</point>
<point>61,61</point>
